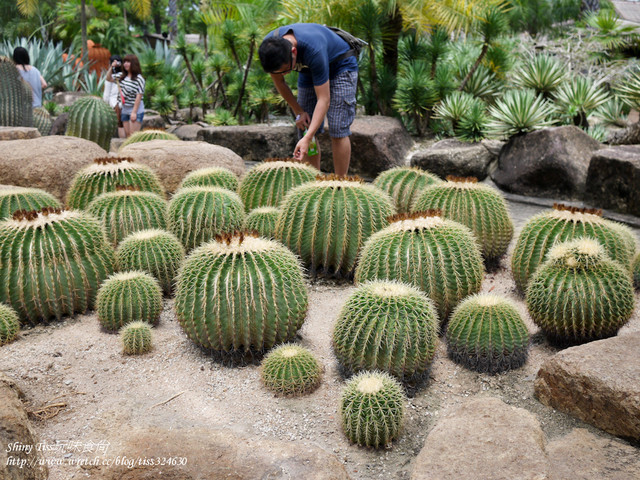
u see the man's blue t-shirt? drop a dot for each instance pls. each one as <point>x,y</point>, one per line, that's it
<point>318,47</point>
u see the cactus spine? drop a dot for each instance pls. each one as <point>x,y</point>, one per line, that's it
<point>486,333</point>
<point>290,370</point>
<point>105,174</point>
<point>136,338</point>
<point>15,97</point>
<point>92,119</point>
<point>386,326</point>
<point>211,177</point>
<point>372,409</point>
<point>478,206</point>
<point>262,220</point>
<point>42,121</point>
<point>148,135</point>
<point>241,293</point>
<point>9,324</point>
<point>405,184</point>
<point>326,222</point>
<point>52,263</point>
<point>579,294</point>
<point>13,199</point>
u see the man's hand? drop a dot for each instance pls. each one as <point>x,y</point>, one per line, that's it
<point>302,147</point>
<point>303,120</point>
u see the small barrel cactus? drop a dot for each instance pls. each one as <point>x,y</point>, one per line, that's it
<point>486,333</point>
<point>290,370</point>
<point>92,119</point>
<point>136,338</point>
<point>476,205</point>
<point>326,222</point>
<point>9,324</point>
<point>579,294</point>
<point>13,199</point>
<point>372,409</point>
<point>437,255</point>
<point>211,177</point>
<point>105,174</point>
<point>405,184</point>
<point>197,214</point>
<point>262,220</point>
<point>42,121</point>
<point>147,135</point>
<point>126,211</point>
<point>241,292</point>
<point>636,271</point>
<point>266,184</point>
<point>52,262</point>
<point>15,97</point>
<point>387,326</point>
<point>126,297</point>
<point>561,224</point>
<point>157,252</point>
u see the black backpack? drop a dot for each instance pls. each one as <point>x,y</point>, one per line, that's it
<point>355,44</point>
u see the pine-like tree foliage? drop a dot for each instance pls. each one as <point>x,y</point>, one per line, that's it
<point>372,409</point>
<point>211,177</point>
<point>157,252</point>
<point>476,205</point>
<point>386,326</point>
<point>9,324</point>
<point>579,294</point>
<point>52,263</point>
<point>126,211</point>
<point>241,293</point>
<point>42,121</point>
<point>326,222</point>
<point>136,338</point>
<point>262,220</point>
<point>105,174</point>
<point>147,135</point>
<point>636,271</point>
<point>561,224</point>
<point>13,199</point>
<point>437,255</point>
<point>197,214</point>
<point>15,97</point>
<point>266,184</point>
<point>126,297</point>
<point>486,333</point>
<point>291,370</point>
<point>405,184</point>
<point>92,119</point>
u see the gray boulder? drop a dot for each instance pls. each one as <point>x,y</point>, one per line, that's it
<point>153,121</point>
<point>253,143</point>
<point>66,99</point>
<point>18,133</point>
<point>186,132</point>
<point>453,157</point>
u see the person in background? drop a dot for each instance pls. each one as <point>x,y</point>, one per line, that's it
<point>112,92</point>
<point>30,74</point>
<point>132,85</point>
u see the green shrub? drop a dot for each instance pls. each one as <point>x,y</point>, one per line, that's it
<point>290,370</point>
<point>211,177</point>
<point>9,324</point>
<point>136,338</point>
<point>405,184</point>
<point>14,198</point>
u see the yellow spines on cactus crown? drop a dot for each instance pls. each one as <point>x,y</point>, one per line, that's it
<point>579,253</point>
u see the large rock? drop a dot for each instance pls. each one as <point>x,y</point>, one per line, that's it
<point>19,458</point>
<point>18,133</point>
<point>484,438</point>
<point>552,162</point>
<point>453,157</point>
<point>66,99</point>
<point>220,454</point>
<point>47,162</point>
<point>173,159</point>
<point>153,121</point>
<point>187,132</point>
<point>598,382</point>
<point>59,125</point>
<point>613,179</point>
<point>253,143</point>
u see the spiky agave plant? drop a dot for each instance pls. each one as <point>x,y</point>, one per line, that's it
<point>263,221</point>
<point>437,255</point>
<point>9,324</point>
<point>579,294</point>
<point>629,89</point>
<point>52,262</point>
<point>372,409</point>
<point>290,370</point>
<point>476,205</point>
<point>266,184</point>
<point>149,134</point>
<point>211,177</point>
<point>612,113</point>
<point>404,184</point>
<point>562,223</point>
<point>241,292</point>
<point>105,174</point>
<point>474,124</point>
<point>388,326</point>
<point>326,222</point>
<point>519,111</point>
<point>92,119</point>
<point>486,333</point>
<point>578,98</point>
<point>14,198</point>
<point>416,94</point>
<point>136,338</point>
<point>453,107</point>
<point>542,74</point>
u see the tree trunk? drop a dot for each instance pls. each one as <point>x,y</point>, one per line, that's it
<point>252,46</point>
<point>173,15</point>
<point>373,74</point>
<point>627,136</point>
<point>393,29</point>
<point>472,70</point>
<point>83,26</point>
<point>589,6</point>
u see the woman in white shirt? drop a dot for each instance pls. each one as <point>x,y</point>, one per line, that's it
<point>132,85</point>
<point>112,92</point>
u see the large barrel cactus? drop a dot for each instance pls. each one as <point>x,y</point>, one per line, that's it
<point>437,255</point>
<point>211,177</point>
<point>579,294</point>
<point>262,220</point>
<point>127,210</point>
<point>15,97</point>
<point>561,224</point>
<point>92,119</point>
<point>105,174</point>
<point>52,262</point>
<point>197,214</point>
<point>478,206</point>
<point>326,222</point>
<point>147,135</point>
<point>13,199</point>
<point>42,120</point>
<point>486,333</point>
<point>405,184</point>
<point>386,326</point>
<point>241,293</point>
<point>290,370</point>
<point>266,184</point>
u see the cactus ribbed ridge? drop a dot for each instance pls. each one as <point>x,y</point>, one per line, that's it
<point>9,324</point>
<point>15,97</point>
<point>42,121</point>
<point>405,184</point>
<point>14,198</point>
<point>636,271</point>
<point>148,135</point>
<point>211,177</point>
<point>290,370</point>
<point>136,338</point>
<point>93,119</point>
<point>262,220</point>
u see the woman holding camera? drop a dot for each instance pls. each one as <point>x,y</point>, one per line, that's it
<point>112,92</point>
<point>131,84</point>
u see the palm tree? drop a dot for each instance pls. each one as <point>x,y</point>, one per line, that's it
<point>589,6</point>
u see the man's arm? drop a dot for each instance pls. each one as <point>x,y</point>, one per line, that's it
<point>323,95</point>
<point>284,90</point>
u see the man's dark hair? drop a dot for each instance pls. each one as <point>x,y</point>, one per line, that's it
<point>21,56</point>
<point>274,52</point>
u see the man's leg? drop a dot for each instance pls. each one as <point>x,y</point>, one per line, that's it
<point>341,148</point>
<point>342,111</point>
